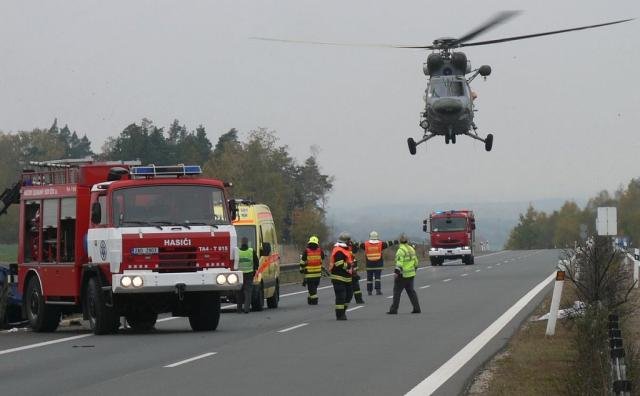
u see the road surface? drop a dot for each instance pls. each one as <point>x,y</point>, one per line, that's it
<point>299,349</point>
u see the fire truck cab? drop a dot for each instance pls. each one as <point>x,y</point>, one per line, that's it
<point>452,236</point>
<point>114,239</point>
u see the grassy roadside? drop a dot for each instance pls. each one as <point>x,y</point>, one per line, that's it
<point>531,363</point>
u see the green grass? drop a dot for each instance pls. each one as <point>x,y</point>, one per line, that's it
<point>9,252</point>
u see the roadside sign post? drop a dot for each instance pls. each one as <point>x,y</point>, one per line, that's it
<point>555,303</point>
<point>607,221</point>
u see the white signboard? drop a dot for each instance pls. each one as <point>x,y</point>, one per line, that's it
<point>606,222</point>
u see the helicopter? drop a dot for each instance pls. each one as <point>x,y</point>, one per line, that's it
<point>449,99</point>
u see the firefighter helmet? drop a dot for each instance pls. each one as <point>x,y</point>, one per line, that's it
<point>314,239</point>
<point>403,238</point>
<point>344,237</point>
<point>373,235</point>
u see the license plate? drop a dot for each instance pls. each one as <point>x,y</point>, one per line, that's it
<point>144,250</point>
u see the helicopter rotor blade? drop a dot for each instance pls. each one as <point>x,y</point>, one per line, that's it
<point>497,19</point>
<point>542,34</point>
<point>330,43</point>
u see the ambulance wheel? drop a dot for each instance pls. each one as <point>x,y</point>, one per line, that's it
<point>102,319</point>
<point>412,146</point>
<point>272,302</point>
<point>142,321</point>
<point>206,312</point>
<point>488,142</point>
<point>257,298</point>
<point>41,317</point>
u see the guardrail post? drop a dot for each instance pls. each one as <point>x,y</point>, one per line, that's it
<point>555,303</point>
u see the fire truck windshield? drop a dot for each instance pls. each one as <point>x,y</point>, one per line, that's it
<point>168,205</point>
<point>442,224</point>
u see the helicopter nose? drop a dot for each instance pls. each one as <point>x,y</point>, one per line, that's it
<point>447,106</point>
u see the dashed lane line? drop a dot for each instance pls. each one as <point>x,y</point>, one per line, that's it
<point>41,344</point>
<point>293,327</point>
<point>464,274</point>
<point>425,286</point>
<point>356,307</point>
<point>478,270</point>
<point>446,280</point>
<point>204,355</point>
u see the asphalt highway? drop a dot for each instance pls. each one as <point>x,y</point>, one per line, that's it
<point>299,349</point>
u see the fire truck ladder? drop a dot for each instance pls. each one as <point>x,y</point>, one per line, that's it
<point>9,196</point>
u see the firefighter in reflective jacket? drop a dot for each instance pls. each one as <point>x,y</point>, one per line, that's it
<point>406,265</point>
<point>311,266</point>
<point>355,278</point>
<point>248,264</point>
<point>340,269</point>
<point>374,262</point>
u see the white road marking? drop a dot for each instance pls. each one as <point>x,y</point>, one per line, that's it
<point>166,319</point>
<point>498,264</point>
<point>446,280</point>
<point>489,267</point>
<point>425,286</point>
<point>354,308</point>
<point>464,274</point>
<point>478,270</point>
<point>41,344</point>
<point>390,297</point>
<point>448,369</point>
<point>292,327</point>
<point>204,355</point>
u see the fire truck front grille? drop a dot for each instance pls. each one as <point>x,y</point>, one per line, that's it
<point>181,259</point>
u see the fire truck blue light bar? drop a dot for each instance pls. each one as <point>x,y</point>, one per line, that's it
<point>174,170</point>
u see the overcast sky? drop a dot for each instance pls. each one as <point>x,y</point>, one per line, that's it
<point>564,110</point>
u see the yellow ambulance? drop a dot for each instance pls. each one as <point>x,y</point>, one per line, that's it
<point>255,222</point>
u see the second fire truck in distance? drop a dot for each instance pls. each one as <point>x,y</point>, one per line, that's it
<point>112,240</point>
<point>452,235</point>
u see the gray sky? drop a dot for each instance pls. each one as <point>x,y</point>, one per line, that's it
<point>564,109</point>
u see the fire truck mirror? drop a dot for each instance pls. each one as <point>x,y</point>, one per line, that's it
<point>266,249</point>
<point>96,213</point>
<point>233,209</point>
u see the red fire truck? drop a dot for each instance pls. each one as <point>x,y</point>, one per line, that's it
<point>114,239</point>
<point>452,235</point>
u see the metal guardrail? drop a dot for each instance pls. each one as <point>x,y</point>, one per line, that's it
<point>620,384</point>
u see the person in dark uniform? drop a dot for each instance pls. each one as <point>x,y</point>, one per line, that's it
<point>311,266</point>
<point>373,251</point>
<point>340,268</point>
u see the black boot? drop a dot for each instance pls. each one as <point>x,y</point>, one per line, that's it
<point>309,300</point>
<point>340,314</point>
<point>378,292</point>
<point>359,299</point>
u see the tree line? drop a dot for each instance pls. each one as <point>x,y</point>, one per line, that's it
<point>563,227</point>
<point>258,166</point>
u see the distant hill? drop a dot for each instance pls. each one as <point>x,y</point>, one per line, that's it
<point>494,219</point>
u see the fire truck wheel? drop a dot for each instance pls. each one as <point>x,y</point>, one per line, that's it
<point>42,317</point>
<point>257,298</point>
<point>272,302</point>
<point>142,321</point>
<point>206,312</point>
<point>102,319</point>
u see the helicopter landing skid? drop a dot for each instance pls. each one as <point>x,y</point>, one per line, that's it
<point>488,141</point>
<point>413,144</point>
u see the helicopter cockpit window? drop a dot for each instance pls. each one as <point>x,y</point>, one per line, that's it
<point>445,88</point>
